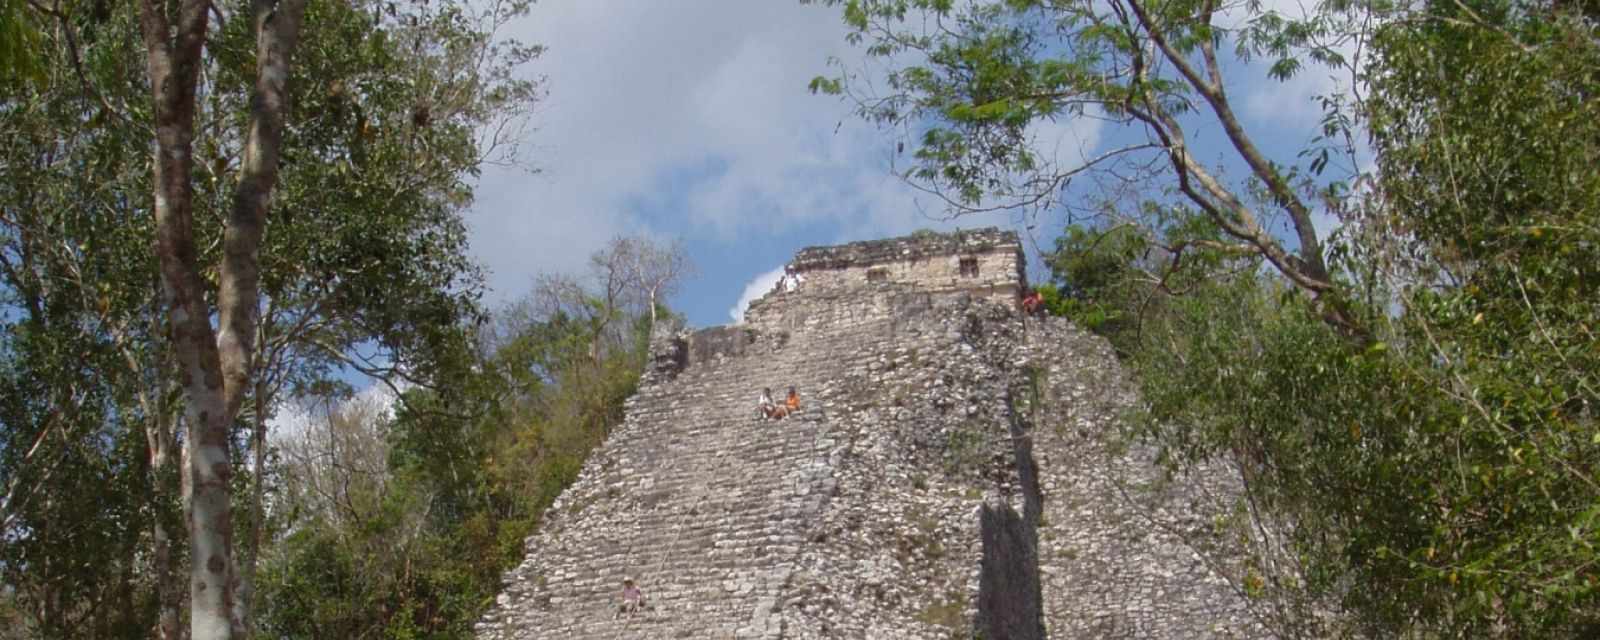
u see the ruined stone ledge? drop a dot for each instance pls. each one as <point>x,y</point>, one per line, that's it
<point>906,248</point>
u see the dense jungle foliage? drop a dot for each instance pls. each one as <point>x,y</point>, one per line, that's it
<point>399,524</point>
<point>1386,333</point>
<point>1398,359</point>
<point>389,513</point>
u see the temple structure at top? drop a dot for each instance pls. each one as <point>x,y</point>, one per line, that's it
<point>984,263</point>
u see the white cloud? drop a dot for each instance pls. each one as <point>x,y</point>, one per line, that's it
<point>757,287</point>
<point>699,109</point>
<point>1291,103</point>
<point>693,119</point>
<point>1065,143</point>
<point>292,420</point>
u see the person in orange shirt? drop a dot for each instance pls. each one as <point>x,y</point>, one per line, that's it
<point>793,401</point>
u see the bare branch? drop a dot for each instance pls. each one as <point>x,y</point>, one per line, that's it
<point>1310,263</point>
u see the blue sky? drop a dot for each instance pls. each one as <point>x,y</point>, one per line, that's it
<point>690,119</point>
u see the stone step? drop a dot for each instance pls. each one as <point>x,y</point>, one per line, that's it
<point>697,452</point>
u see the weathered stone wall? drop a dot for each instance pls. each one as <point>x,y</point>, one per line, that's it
<point>986,263</point>
<point>858,518</point>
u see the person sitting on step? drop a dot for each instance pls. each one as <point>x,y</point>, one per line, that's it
<point>792,403</point>
<point>1033,304</point>
<point>769,409</point>
<point>632,598</point>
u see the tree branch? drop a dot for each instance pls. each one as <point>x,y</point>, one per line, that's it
<point>277,25</point>
<point>1310,262</point>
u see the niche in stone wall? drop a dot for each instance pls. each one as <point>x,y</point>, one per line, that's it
<point>878,274</point>
<point>969,267</point>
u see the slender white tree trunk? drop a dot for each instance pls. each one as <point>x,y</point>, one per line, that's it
<point>244,595</point>
<point>168,588</point>
<point>214,364</point>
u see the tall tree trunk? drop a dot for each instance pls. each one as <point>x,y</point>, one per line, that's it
<point>168,589</point>
<point>245,594</point>
<point>214,365</point>
<point>174,60</point>
<point>168,596</point>
<point>164,488</point>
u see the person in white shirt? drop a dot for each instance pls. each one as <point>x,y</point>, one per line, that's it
<point>766,405</point>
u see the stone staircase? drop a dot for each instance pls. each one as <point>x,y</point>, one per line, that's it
<point>698,499</point>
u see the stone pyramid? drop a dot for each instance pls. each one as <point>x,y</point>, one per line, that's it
<point>859,516</point>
